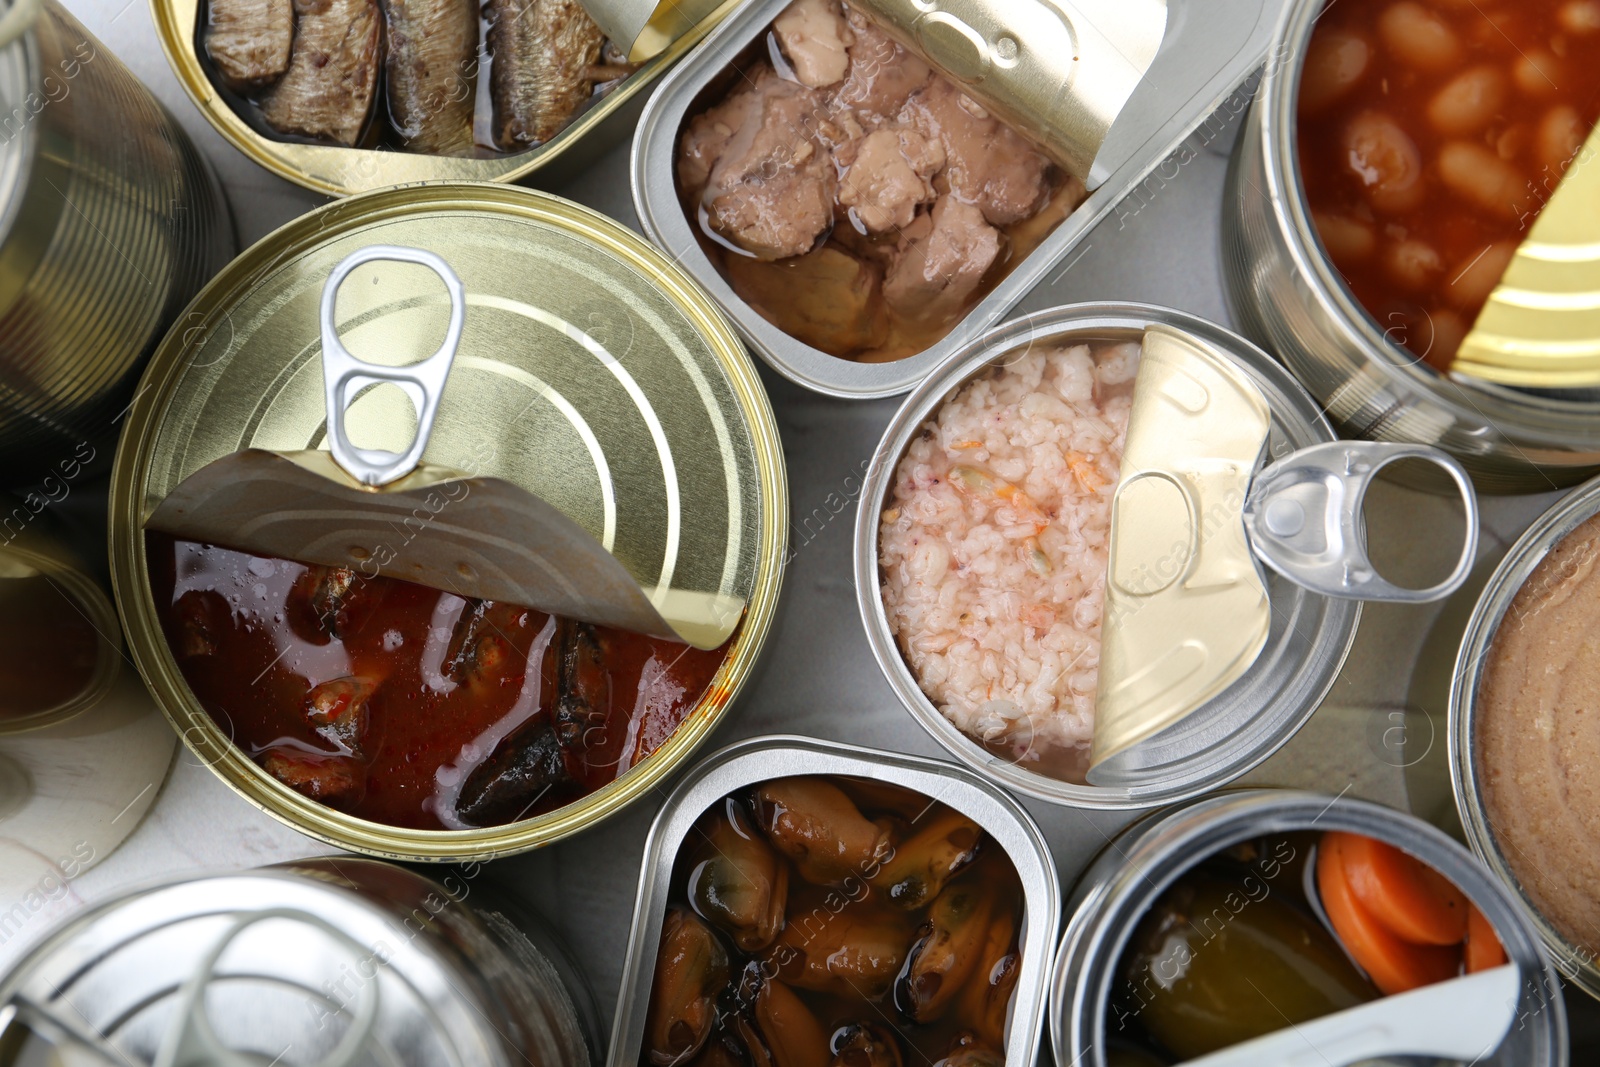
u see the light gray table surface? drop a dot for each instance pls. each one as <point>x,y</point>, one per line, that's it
<point>816,675</point>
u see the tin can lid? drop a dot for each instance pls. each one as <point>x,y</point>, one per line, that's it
<point>1058,71</point>
<point>646,28</point>
<point>323,963</point>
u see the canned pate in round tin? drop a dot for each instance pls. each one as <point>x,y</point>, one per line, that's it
<point>830,900</point>
<point>336,960</point>
<point>414,721</point>
<point>1425,246</point>
<point>1270,865</point>
<point>988,660</point>
<point>110,221</point>
<point>1519,733</point>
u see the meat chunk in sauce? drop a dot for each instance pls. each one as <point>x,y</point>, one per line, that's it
<point>942,261</point>
<point>814,36</point>
<point>990,165</point>
<point>328,91</point>
<point>527,769</point>
<point>887,175</point>
<point>882,76</point>
<point>769,182</point>
<point>544,52</point>
<point>432,54</point>
<point>249,40</point>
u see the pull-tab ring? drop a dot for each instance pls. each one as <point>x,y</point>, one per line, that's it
<point>343,375</point>
<point>1304,519</point>
<point>18,19</point>
<point>190,1040</point>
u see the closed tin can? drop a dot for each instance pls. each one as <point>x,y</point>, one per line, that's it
<point>749,763</point>
<point>1289,298</point>
<point>1496,611</point>
<point>315,960</point>
<point>590,372</point>
<point>110,221</point>
<point>1120,887</point>
<point>1204,54</point>
<point>1310,634</point>
<point>337,170</point>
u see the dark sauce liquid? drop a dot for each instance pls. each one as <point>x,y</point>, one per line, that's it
<point>48,647</point>
<point>812,914</point>
<point>380,697</point>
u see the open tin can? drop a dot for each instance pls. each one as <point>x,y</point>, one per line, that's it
<point>1499,610</point>
<point>648,36</point>
<point>110,221</point>
<point>1154,751</point>
<point>1130,875</point>
<point>1134,103</point>
<point>342,960</point>
<point>590,373</point>
<point>1290,298</point>
<point>751,763</point>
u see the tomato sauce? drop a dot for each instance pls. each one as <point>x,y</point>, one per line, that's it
<point>409,706</point>
<point>1430,136</point>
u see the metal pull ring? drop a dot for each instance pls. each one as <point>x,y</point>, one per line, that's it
<point>18,19</point>
<point>344,375</point>
<point>1303,517</point>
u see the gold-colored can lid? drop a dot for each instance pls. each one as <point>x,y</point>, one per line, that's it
<point>591,372</point>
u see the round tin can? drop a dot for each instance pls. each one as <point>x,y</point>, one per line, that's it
<point>338,171</point>
<point>312,961</point>
<point>1290,299</point>
<point>1310,633</point>
<point>1576,964</point>
<point>761,759</point>
<point>110,221</point>
<point>1130,875</point>
<point>581,342</point>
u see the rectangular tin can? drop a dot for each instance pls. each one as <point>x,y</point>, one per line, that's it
<point>1210,48</point>
<point>591,372</point>
<point>763,758</point>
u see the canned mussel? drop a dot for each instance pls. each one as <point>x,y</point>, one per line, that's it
<point>325,549</point>
<point>803,902</point>
<point>865,185</point>
<point>345,96</point>
<point>1413,229</point>
<point>1270,926</point>
<point>1110,555</point>
<point>347,960</point>
<point>1522,748</point>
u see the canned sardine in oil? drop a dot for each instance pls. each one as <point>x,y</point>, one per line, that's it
<point>110,221</point>
<point>419,721</point>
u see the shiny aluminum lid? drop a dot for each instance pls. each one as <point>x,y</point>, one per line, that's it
<point>308,966</point>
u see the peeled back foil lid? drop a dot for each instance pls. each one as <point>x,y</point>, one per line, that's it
<point>644,28</point>
<point>1186,608</point>
<point>1057,71</point>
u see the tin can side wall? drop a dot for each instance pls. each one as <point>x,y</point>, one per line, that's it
<point>121,222</point>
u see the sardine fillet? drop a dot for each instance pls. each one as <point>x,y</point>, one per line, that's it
<point>432,49</point>
<point>332,79</point>
<point>542,54</point>
<point>249,40</point>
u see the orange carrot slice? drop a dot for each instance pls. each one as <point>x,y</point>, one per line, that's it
<point>1395,966</point>
<point>1483,950</point>
<point>1415,902</point>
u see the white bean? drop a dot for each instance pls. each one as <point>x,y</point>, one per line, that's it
<point>1347,240</point>
<point>1560,138</point>
<point>1412,263</point>
<point>1537,73</point>
<point>1419,38</point>
<point>1468,102</point>
<point>1483,179</point>
<point>1580,16</point>
<point>1335,62</point>
<point>1386,161</point>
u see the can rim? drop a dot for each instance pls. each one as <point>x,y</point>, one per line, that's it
<point>903,426</point>
<point>130,577</point>
<point>1123,883</point>
<point>175,23</point>
<point>1577,965</point>
<point>748,762</point>
<point>1536,418</point>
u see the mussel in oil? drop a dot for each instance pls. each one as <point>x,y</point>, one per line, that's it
<point>947,951</point>
<point>779,1030</point>
<point>738,884</point>
<point>833,944</point>
<point>987,994</point>
<point>691,969</point>
<point>944,843</point>
<point>865,1045</point>
<point>817,826</point>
